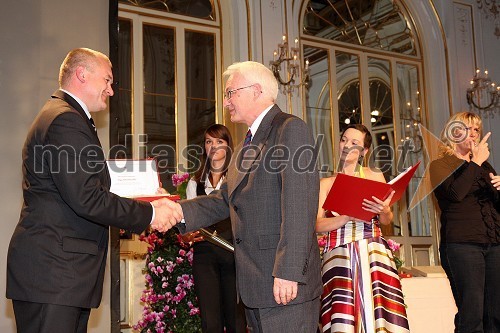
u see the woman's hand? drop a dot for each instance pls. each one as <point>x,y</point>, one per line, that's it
<point>378,206</point>
<point>495,180</point>
<point>480,151</point>
<point>192,237</point>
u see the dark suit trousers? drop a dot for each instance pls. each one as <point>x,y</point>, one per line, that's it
<point>300,318</point>
<point>49,318</point>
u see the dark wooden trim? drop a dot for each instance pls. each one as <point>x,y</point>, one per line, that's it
<point>114,250</point>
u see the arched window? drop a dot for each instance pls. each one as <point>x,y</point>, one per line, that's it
<point>169,71</point>
<point>366,67</point>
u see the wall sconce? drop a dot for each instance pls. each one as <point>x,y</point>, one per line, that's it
<point>286,60</point>
<point>483,94</point>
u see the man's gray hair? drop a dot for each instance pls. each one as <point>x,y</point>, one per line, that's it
<point>255,72</point>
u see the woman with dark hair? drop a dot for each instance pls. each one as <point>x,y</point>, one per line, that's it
<point>466,188</point>
<point>361,286</point>
<point>213,266</point>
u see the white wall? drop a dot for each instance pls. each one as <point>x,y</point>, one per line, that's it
<point>35,36</point>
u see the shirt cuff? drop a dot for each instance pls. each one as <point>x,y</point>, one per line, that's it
<point>153,216</point>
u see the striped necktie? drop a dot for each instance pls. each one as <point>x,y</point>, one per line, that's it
<point>248,138</point>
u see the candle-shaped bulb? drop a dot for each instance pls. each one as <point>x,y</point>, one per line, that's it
<point>296,41</point>
<point>471,82</point>
<point>486,73</point>
<point>284,38</point>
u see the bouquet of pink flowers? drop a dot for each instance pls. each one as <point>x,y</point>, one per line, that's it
<point>170,303</point>
<point>180,182</point>
<point>169,299</point>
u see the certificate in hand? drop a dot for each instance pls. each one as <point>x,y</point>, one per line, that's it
<point>347,193</point>
<point>136,179</point>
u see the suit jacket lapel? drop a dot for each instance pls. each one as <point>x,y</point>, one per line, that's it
<point>75,105</point>
<point>239,170</point>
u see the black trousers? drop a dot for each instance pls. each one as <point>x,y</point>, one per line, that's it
<point>474,274</point>
<point>214,276</point>
<point>49,318</point>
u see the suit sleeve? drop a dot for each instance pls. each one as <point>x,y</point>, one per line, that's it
<point>299,202</point>
<point>77,167</point>
<point>203,211</point>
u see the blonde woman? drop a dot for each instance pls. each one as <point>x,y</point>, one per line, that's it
<point>467,191</point>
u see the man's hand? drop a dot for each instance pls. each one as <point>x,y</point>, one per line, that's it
<point>284,291</point>
<point>167,214</point>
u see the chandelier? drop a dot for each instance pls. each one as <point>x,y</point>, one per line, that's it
<point>483,93</point>
<point>286,67</point>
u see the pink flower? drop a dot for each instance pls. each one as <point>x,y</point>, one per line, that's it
<point>394,246</point>
<point>322,241</point>
<point>179,179</point>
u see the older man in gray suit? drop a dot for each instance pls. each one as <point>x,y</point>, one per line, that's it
<point>271,195</point>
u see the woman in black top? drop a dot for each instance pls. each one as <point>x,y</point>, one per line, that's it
<point>467,190</point>
<point>214,269</point>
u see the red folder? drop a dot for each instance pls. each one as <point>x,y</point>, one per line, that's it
<point>347,193</point>
<point>156,197</point>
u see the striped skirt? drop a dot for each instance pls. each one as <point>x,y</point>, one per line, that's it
<point>362,290</point>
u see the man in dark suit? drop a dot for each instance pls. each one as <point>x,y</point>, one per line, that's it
<point>57,254</point>
<point>271,195</point>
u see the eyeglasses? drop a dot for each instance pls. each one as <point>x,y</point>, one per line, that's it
<point>228,94</point>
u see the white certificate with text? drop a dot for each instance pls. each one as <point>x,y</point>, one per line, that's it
<point>134,178</point>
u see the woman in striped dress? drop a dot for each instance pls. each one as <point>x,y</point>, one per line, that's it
<point>361,286</point>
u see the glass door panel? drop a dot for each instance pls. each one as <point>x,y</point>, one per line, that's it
<point>381,116</point>
<point>410,110</point>
<point>348,93</point>
<point>159,100</point>
<point>200,89</point>
<point>318,106</point>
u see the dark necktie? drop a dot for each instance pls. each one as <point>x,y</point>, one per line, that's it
<point>93,124</point>
<point>248,138</point>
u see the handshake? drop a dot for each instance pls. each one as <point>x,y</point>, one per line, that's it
<point>167,214</point>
